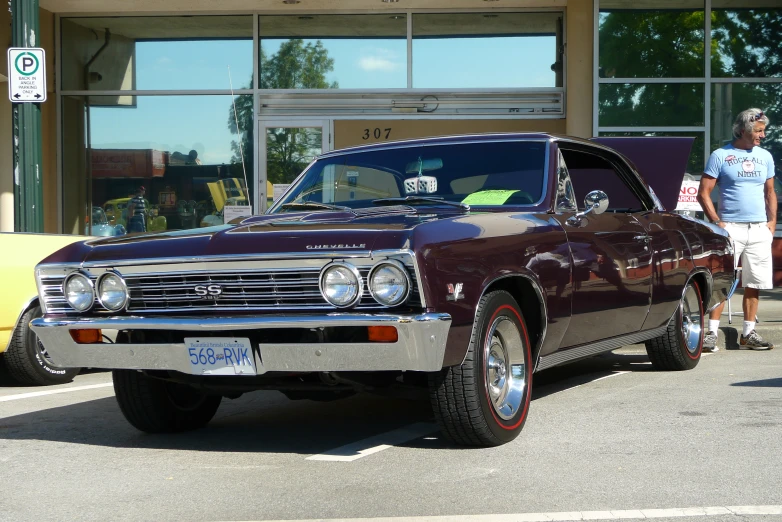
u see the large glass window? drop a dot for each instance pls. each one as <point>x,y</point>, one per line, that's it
<point>184,151</point>
<point>651,105</point>
<point>639,42</point>
<point>156,53</point>
<point>333,52</point>
<point>485,50</point>
<point>666,39</point>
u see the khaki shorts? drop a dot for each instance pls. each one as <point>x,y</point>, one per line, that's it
<point>752,245</point>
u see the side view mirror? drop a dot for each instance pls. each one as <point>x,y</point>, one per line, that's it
<point>596,202</point>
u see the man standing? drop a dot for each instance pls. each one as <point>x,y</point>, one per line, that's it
<point>744,173</point>
<point>137,208</point>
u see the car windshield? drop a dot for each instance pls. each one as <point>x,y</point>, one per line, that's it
<point>475,173</point>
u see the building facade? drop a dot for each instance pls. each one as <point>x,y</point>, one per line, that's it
<point>209,104</point>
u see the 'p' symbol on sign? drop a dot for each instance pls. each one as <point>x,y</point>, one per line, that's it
<point>26,64</point>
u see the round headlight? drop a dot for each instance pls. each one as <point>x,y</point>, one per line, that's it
<point>112,291</point>
<point>78,292</point>
<point>389,283</point>
<point>340,284</point>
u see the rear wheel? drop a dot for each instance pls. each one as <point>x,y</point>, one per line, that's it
<point>157,406</point>
<point>484,402</point>
<point>680,347</point>
<point>27,360</point>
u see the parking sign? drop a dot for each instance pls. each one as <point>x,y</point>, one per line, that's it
<point>26,74</point>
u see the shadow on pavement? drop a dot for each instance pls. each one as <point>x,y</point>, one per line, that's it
<point>267,422</point>
<point>762,383</point>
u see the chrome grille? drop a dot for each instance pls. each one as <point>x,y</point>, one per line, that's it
<point>243,290</point>
<point>283,289</point>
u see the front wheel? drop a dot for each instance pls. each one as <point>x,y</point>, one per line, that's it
<point>484,402</point>
<point>157,406</point>
<point>680,347</point>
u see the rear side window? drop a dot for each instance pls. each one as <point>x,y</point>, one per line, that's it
<point>590,172</point>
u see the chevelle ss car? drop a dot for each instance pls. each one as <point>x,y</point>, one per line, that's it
<point>461,265</point>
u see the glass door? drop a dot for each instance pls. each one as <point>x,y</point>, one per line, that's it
<point>286,147</point>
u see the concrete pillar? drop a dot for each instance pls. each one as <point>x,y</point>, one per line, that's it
<point>580,35</point>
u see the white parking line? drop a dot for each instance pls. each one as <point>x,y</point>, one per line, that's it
<point>371,445</point>
<point>624,514</point>
<point>52,392</point>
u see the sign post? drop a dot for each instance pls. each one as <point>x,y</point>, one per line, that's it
<point>26,71</point>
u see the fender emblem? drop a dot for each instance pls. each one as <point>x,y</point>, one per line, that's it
<point>454,292</point>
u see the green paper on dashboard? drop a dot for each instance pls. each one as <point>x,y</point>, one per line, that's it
<point>489,197</point>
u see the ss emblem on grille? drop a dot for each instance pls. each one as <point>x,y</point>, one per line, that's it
<point>208,291</point>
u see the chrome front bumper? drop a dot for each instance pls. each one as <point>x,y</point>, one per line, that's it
<point>421,344</point>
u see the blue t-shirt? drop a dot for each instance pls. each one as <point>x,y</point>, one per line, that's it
<point>741,175</point>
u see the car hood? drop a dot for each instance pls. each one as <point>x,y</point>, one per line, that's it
<point>289,233</point>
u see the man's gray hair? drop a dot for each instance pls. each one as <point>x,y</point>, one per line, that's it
<point>746,120</point>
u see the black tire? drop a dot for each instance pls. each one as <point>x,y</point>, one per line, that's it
<point>26,359</point>
<point>157,406</point>
<point>482,402</point>
<point>680,347</point>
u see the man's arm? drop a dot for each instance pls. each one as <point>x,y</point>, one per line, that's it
<point>704,198</point>
<point>771,204</point>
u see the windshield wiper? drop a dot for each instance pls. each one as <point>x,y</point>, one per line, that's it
<point>413,200</point>
<point>314,205</point>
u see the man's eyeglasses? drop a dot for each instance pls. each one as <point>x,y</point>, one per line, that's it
<point>758,116</point>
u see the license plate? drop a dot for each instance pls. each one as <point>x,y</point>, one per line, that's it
<point>220,356</point>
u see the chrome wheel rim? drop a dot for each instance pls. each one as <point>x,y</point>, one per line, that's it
<point>506,378</point>
<point>692,321</point>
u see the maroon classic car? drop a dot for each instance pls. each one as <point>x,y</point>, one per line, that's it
<point>461,265</point>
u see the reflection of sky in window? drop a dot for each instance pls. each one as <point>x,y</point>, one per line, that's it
<point>484,62</point>
<point>193,64</point>
<point>359,63</point>
<point>167,123</point>
<point>182,123</point>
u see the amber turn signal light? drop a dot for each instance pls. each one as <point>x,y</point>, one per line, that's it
<point>87,336</point>
<point>383,334</point>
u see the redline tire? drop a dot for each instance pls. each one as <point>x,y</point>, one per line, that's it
<point>681,346</point>
<point>485,401</point>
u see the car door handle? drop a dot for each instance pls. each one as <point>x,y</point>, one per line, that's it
<point>645,239</point>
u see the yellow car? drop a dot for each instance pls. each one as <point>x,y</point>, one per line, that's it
<point>116,213</point>
<point>24,356</point>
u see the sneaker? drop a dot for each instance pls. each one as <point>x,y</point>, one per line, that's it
<point>754,342</point>
<point>710,342</point>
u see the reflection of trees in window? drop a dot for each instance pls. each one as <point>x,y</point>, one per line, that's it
<point>651,44</point>
<point>670,44</point>
<point>296,65</point>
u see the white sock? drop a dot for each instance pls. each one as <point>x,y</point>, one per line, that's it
<point>748,327</point>
<point>714,325</point>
